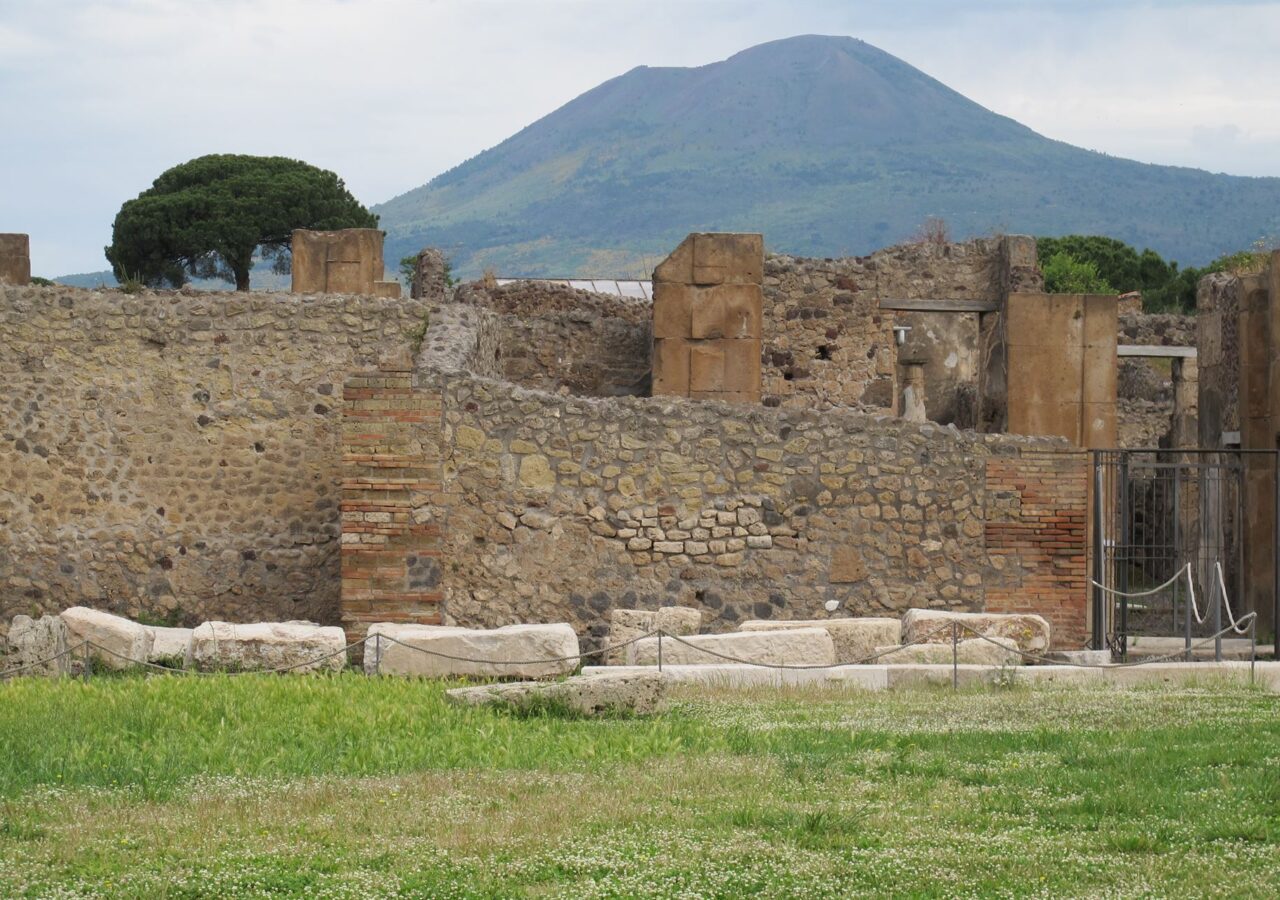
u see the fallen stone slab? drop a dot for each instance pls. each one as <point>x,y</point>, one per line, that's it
<point>35,645</point>
<point>975,651</point>
<point>1031,632</point>
<point>789,647</point>
<point>168,645</point>
<point>514,651</point>
<point>854,639</point>
<point>1079,657</point>
<point>262,646</point>
<point>119,643</point>
<point>628,624</point>
<point>634,693</point>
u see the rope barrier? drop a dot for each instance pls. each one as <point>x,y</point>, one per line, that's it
<point>1155,590</point>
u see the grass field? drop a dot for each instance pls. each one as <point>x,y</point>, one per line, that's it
<point>353,787</point>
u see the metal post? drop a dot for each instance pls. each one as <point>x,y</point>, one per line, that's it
<point>955,654</point>
<point>659,649</point>
<point>1122,570</point>
<point>377,654</point>
<point>1217,616</point>
<point>87,664</point>
<point>1099,625</point>
<point>1253,645</point>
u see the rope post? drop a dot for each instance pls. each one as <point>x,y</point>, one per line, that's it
<point>1187,617</point>
<point>377,654</point>
<point>955,656</point>
<point>86,665</point>
<point>1253,645</point>
<point>659,649</point>
<point>1217,623</point>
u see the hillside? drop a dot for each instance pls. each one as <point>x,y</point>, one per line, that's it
<point>826,144</point>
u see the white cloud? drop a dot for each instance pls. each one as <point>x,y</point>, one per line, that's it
<point>390,93</point>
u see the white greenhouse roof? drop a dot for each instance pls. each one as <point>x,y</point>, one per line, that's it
<point>620,287</point>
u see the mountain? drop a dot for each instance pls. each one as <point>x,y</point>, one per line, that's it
<point>826,144</point>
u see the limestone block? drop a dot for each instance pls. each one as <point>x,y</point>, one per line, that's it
<point>730,311</point>
<point>266,645</point>
<point>794,647</point>
<point>854,639</point>
<point>633,693</point>
<point>1031,632</point>
<point>678,267</point>
<point>707,366</point>
<point>390,289</point>
<point>33,640</point>
<point>168,644</point>
<point>670,367</point>
<point>15,259</point>
<point>514,651</point>
<point>118,642</point>
<point>974,651</point>
<point>728,258</point>
<point>847,565</point>
<point>627,624</point>
<point>672,310</point>
<point>741,366</point>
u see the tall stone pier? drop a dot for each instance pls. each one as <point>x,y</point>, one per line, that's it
<point>15,259</point>
<point>707,308</point>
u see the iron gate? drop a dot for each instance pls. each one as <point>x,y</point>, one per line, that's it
<point>1157,511</point>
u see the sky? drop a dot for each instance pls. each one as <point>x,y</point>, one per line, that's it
<point>98,97</point>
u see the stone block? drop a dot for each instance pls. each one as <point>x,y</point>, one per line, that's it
<point>168,645</point>
<point>672,310</point>
<point>261,646</point>
<point>855,639</point>
<point>972,652</point>
<point>348,261</point>
<point>631,693</point>
<point>1030,632</point>
<point>118,642</point>
<point>797,647</point>
<point>847,565</point>
<point>741,366</point>
<point>730,311</point>
<point>628,624</point>
<point>728,258</point>
<point>389,289</point>
<point>707,366</point>
<point>35,643</point>
<point>678,267</point>
<point>670,367</point>
<point>15,259</point>
<point>514,651</point>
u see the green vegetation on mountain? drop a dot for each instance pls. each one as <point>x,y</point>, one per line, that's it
<point>210,216</point>
<point>826,144</point>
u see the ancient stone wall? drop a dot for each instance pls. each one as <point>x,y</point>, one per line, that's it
<point>15,259</point>
<point>552,336</point>
<point>348,261</point>
<point>178,454</point>
<point>1218,302</point>
<point>827,341</point>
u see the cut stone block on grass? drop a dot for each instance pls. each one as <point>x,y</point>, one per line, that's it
<point>1031,632</point>
<point>628,624</point>
<point>168,645</point>
<point>32,643</point>
<point>514,651</point>
<point>975,651</point>
<point>854,639</point>
<point>218,646</point>
<point>119,643</point>
<point>631,693</point>
<point>791,647</point>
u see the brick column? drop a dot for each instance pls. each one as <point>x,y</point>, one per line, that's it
<point>1036,536</point>
<point>390,470</point>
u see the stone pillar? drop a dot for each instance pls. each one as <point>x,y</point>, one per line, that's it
<point>340,262</point>
<point>15,259</point>
<point>430,275</point>
<point>1019,272</point>
<point>707,309</point>
<point>1184,428</point>
<point>1061,351</point>
<point>913,401</point>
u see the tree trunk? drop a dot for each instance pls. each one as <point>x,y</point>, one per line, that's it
<point>242,279</point>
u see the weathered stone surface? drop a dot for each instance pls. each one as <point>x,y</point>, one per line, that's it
<point>1083,658</point>
<point>975,651</point>
<point>168,645</point>
<point>854,639</point>
<point>514,651</point>
<point>628,624</point>
<point>15,259</point>
<point>1031,632</point>
<point>348,261</point>
<point>119,643</point>
<point>266,645</point>
<point>32,643</point>
<point>634,693</point>
<point>793,647</point>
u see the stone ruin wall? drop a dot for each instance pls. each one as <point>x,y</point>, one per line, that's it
<point>536,506</point>
<point>1218,300</point>
<point>177,455</point>
<point>552,336</point>
<point>1144,405</point>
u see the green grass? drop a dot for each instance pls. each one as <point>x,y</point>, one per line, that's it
<point>346,786</point>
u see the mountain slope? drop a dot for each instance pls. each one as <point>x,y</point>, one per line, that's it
<point>826,144</point>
